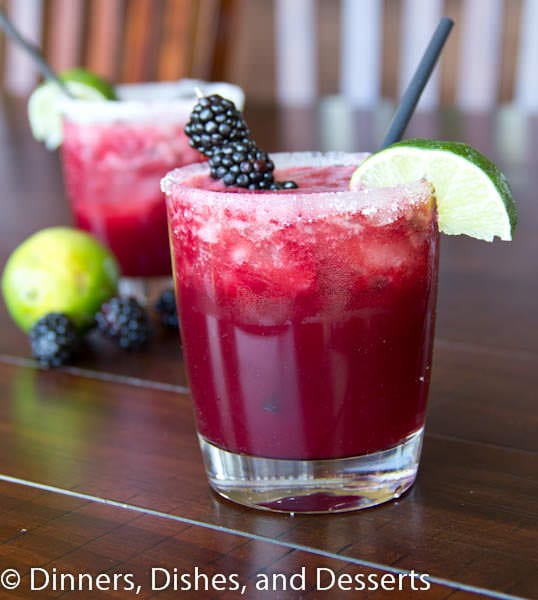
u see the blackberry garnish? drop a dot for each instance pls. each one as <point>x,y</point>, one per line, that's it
<point>284,185</point>
<point>242,164</point>
<point>166,308</point>
<point>53,339</point>
<point>217,129</point>
<point>215,121</point>
<point>124,321</point>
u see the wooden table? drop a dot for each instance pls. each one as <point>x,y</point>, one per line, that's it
<point>99,466</point>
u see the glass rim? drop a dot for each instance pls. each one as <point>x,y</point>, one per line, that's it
<point>340,200</point>
<point>162,100</point>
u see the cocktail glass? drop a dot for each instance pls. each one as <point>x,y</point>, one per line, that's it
<point>114,154</point>
<point>307,321</point>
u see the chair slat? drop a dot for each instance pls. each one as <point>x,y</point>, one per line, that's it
<point>360,51</point>
<point>390,51</point>
<point>227,18</point>
<point>64,33</point>
<point>21,75</point>
<point>509,51</point>
<point>296,71</point>
<point>419,20</point>
<point>141,34</point>
<point>176,44</point>
<point>203,38</point>
<point>479,54</point>
<point>526,86</point>
<point>104,37</point>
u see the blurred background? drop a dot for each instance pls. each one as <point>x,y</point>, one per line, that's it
<point>290,51</point>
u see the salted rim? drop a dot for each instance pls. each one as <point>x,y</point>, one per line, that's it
<point>368,201</point>
<point>163,101</point>
<point>281,160</point>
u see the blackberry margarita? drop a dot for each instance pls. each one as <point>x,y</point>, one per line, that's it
<point>307,322</point>
<point>114,155</point>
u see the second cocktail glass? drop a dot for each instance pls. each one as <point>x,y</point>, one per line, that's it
<point>114,154</point>
<point>307,322</point>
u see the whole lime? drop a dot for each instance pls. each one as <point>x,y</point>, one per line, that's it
<point>59,269</point>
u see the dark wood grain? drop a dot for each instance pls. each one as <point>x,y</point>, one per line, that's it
<point>474,508</point>
<point>61,534</point>
<point>118,426</point>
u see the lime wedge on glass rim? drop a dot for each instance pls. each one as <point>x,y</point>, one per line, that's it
<point>473,196</point>
<point>44,103</point>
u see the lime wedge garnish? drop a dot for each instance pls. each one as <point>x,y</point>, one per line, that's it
<point>473,196</point>
<point>44,104</point>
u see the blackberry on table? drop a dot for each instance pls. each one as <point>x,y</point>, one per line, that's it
<point>166,309</point>
<point>124,321</point>
<point>53,340</point>
<point>215,121</point>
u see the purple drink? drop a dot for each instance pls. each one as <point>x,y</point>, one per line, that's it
<point>307,320</point>
<point>114,154</point>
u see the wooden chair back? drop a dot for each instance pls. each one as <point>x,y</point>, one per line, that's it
<point>123,40</point>
<point>490,58</point>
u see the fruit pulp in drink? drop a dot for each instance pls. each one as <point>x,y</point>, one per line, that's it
<point>112,172</point>
<point>307,315</point>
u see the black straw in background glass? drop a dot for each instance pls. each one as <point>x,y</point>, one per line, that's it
<point>10,30</point>
<point>412,94</point>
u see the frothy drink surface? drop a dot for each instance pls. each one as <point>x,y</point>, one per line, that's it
<point>322,179</point>
<point>306,315</point>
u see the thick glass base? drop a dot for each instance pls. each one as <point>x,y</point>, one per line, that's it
<point>313,486</point>
<point>144,289</point>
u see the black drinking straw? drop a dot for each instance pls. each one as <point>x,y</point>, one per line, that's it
<point>10,30</point>
<point>412,94</point>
